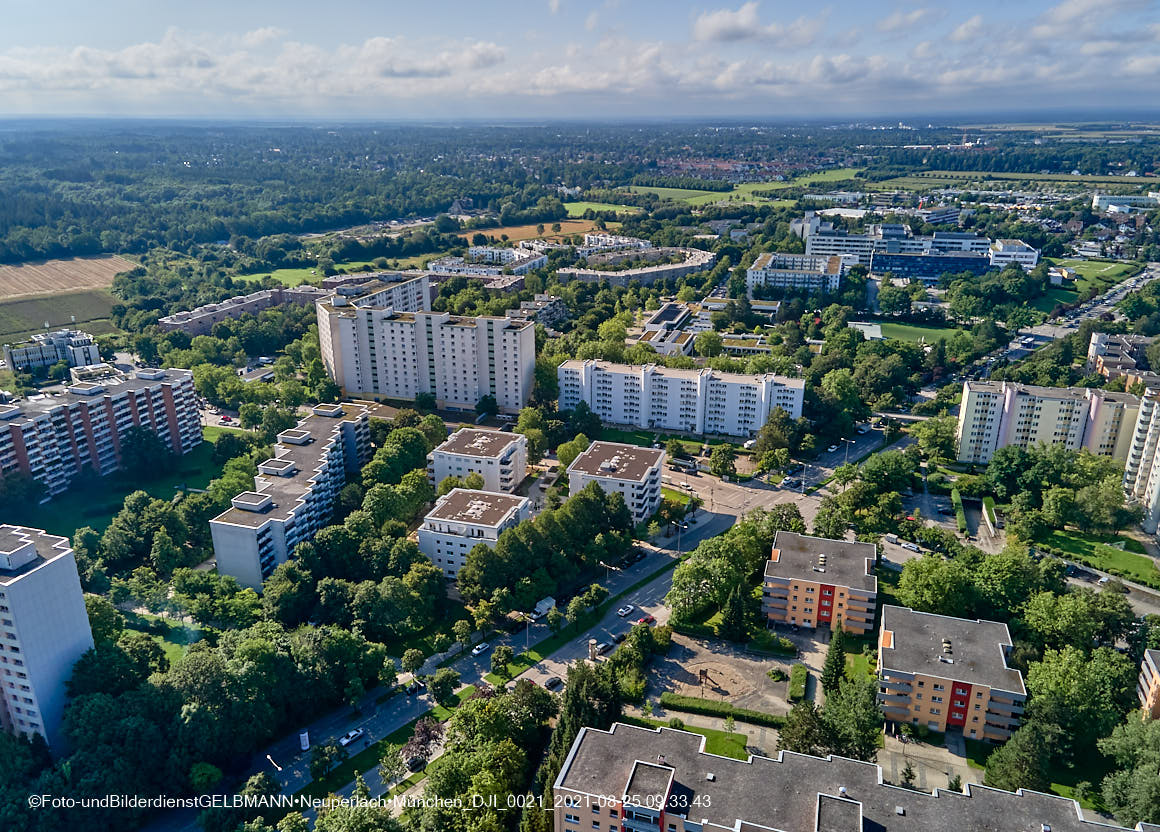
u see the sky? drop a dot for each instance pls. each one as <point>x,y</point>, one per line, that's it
<point>593,59</point>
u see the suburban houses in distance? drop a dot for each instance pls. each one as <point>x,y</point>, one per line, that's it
<point>629,470</point>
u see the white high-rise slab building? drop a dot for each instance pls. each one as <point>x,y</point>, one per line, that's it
<point>696,401</point>
<point>1141,470</point>
<point>371,348</point>
<point>996,414</point>
<point>44,629</point>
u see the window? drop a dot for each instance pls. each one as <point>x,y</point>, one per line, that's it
<point>936,699</point>
<point>571,819</point>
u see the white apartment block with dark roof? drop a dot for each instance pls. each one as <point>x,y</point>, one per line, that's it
<point>1141,471</point>
<point>993,415</point>
<point>44,629</point>
<point>630,470</point>
<point>499,457</point>
<point>815,273</point>
<point>53,437</point>
<point>694,401</point>
<point>372,349</point>
<point>294,493</point>
<point>462,519</point>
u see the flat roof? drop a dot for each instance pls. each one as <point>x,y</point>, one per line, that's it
<point>675,372</point>
<point>614,460</point>
<point>668,313</point>
<point>476,442</point>
<point>847,563</point>
<point>1077,393</point>
<point>37,405</point>
<point>482,508</point>
<point>286,493</point>
<point>977,651</point>
<point>797,792</point>
<point>29,549</point>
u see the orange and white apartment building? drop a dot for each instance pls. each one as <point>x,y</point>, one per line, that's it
<point>1148,688</point>
<point>816,582</point>
<point>948,674</point>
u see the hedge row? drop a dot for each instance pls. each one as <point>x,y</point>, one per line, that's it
<point>713,707</point>
<point>960,513</point>
<point>799,676</point>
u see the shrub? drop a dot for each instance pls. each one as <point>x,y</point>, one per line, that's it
<point>777,674</point>
<point>960,513</point>
<point>677,722</point>
<point>799,676</point>
<point>713,707</point>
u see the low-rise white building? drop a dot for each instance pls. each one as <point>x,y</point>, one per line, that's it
<point>993,415</point>
<point>44,629</point>
<point>1006,252</point>
<point>694,401</point>
<point>462,519</point>
<point>294,492</point>
<point>814,273</point>
<point>75,348</point>
<point>488,260</point>
<point>629,470</point>
<point>500,458</point>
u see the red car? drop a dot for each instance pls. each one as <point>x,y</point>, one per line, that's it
<point>646,619</point>
<point>226,419</point>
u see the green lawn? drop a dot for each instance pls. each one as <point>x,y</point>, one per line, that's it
<point>93,503</point>
<point>1099,274</point>
<point>679,497</point>
<point>678,194</point>
<point>716,742</point>
<point>1094,551</point>
<point>644,438</point>
<point>577,209</point>
<point>917,332</point>
<point>1053,296</point>
<point>173,637</point>
<point>22,317</point>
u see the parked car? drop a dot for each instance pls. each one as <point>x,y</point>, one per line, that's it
<point>646,619</point>
<point>913,547</point>
<point>480,649</point>
<point>227,419</point>
<point>619,637</point>
<point>351,736</point>
<point>626,610</point>
<point>602,648</point>
<point>832,448</point>
<point>416,764</point>
<point>552,682</point>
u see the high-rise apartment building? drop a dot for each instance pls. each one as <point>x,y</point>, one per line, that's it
<point>993,415</point>
<point>816,582</point>
<point>696,401</point>
<point>53,437</point>
<point>463,518</point>
<point>75,348</point>
<point>630,470</point>
<point>372,348</point>
<point>44,629</point>
<point>1148,688</point>
<point>1141,471</point>
<point>500,458</point>
<point>948,673</point>
<point>294,492</point>
<point>663,780</point>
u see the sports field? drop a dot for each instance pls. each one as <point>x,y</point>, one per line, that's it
<point>67,275</point>
<point>577,209</point>
<point>1099,274</point>
<point>917,332</point>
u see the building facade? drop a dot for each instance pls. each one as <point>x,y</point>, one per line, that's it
<point>816,582</point>
<point>894,238</point>
<point>548,310</point>
<point>1141,471</point>
<point>200,321</point>
<point>663,780</point>
<point>948,673</point>
<point>928,268</point>
<point>696,401</point>
<point>629,470</point>
<point>490,260</point>
<point>808,272</point>
<point>694,260</point>
<point>52,438</point>
<point>500,458</point>
<point>993,415</point>
<point>44,629</point>
<point>372,349</point>
<point>464,518</point>
<point>73,347</point>
<point>294,492</point>
<point>1116,355</point>
<point>1148,688</point>
<point>1013,252</point>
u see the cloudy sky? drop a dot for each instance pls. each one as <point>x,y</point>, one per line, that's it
<point>382,59</point>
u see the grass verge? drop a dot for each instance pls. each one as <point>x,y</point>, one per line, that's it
<point>716,742</point>
<point>1094,550</point>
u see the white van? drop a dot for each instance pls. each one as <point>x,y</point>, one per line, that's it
<point>891,538</point>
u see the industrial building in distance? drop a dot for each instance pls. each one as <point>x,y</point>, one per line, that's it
<point>44,629</point>
<point>53,436</point>
<point>693,401</point>
<point>294,492</point>
<point>463,518</point>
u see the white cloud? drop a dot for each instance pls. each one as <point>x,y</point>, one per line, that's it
<point>553,6</point>
<point>968,30</point>
<point>745,24</point>
<point>901,20</point>
<point>591,21</point>
<point>923,50</point>
<point>262,36</point>
<point>1074,19</point>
